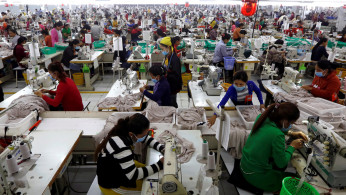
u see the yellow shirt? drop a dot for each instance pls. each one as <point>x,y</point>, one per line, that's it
<point>213,23</point>
<point>115,23</point>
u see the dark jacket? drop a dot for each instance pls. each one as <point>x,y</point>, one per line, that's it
<point>67,56</point>
<point>162,93</point>
<point>319,53</point>
<point>122,54</point>
<point>174,74</point>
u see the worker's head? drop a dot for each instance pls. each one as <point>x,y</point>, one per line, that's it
<point>240,79</point>
<point>241,26</point>
<point>58,25</point>
<point>156,72</point>
<point>243,33</point>
<point>225,37</point>
<point>166,45</point>
<point>21,40</point>
<point>83,23</point>
<point>323,42</point>
<point>136,26</point>
<point>117,33</point>
<point>45,33</point>
<point>135,128</point>
<point>83,32</point>
<point>163,24</point>
<point>66,26</point>
<point>132,21</point>
<point>109,23</point>
<point>343,37</point>
<point>324,67</point>
<point>160,33</point>
<point>56,70</point>
<point>12,32</point>
<point>176,41</point>
<point>283,115</point>
<point>279,43</point>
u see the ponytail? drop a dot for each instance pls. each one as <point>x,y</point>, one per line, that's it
<point>276,113</point>
<point>56,67</point>
<point>317,45</point>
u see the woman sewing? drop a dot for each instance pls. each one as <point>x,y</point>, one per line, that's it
<point>326,83</point>
<point>265,154</point>
<point>117,170</point>
<point>319,51</point>
<point>162,93</point>
<point>240,93</point>
<point>19,52</point>
<point>67,94</point>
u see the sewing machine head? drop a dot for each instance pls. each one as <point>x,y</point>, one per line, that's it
<point>289,79</point>
<point>210,84</point>
<point>268,72</point>
<point>292,53</point>
<point>130,80</point>
<point>82,53</point>
<point>38,78</point>
<point>240,51</point>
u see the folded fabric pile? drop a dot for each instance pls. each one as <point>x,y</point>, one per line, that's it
<point>250,113</point>
<point>294,96</point>
<point>122,103</point>
<point>237,138</point>
<point>189,118</point>
<point>25,104</point>
<point>187,148</point>
<point>159,114</point>
<point>5,51</point>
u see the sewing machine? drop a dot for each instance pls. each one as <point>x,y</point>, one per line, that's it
<point>289,80</point>
<point>130,80</point>
<point>267,72</point>
<point>211,84</point>
<point>84,53</point>
<point>38,78</point>
<point>240,51</point>
<point>170,184</point>
<point>292,53</point>
<point>329,149</point>
<point>137,53</point>
<point>341,53</point>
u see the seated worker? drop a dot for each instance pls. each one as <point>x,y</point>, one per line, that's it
<point>19,52</point>
<point>66,31</point>
<point>135,33</point>
<point>122,54</point>
<point>243,40</point>
<point>117,170</point>
<point>220,52</point>
<point>265,154</point>
<point>319,50</point>
<point>213,33</point>
<point>83,32</point>
<point>67,94</point>
<point>275,56</point>
<point>343,37</point>
<point>236,33</point>
<point>177,41</point>
<point>326,83</point>
<point>13,33</point>
<point>240,93</point>
<point>162,93</point>
<point>69,54</point>
<point>47,38</point>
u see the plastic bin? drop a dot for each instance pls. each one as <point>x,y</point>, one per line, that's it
<point>78,78</point>
<point>229,62</point>
<point>179,110</point>
<point>48,50</point>
<point>335,109</point>
<point>99,44</point>
<point>186,77</point>
<point>289,187</point>
<point>248,124</point>
<point>19,127</point>
<point>163,125</point>
<point>60,47</point>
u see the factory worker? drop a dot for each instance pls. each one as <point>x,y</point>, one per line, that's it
<point>96,31</point>
<point>173,66</point>
<point>240,93</point>
<point>343,37</point>
<point>67,94</point>
<point>124,53</point>
<point>236,33</point>
<point>213,33</point>
<point>319,51</point>
<point>265,155</point>
<point>19,52</point>
<point>83,32</point>
<point>243,40</point>
<point>220,52</point>
<point>14,36</point>
<point>275,55</point>
<point>117,170</point>
<point>66,31</point>
<point>86,26</point>
<point>47,38</point>
<point>326,83</point>
<point>69,54</point>
<point>56,33</point>
<point>162,92</point>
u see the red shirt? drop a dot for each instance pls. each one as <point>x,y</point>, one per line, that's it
<point>19,53</point>
<point>326,87</point>
<point>66,94</point>
<point>163,28</point>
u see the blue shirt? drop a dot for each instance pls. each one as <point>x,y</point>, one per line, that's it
<point>221,51</point>
<point>232,93</point>
<point>162,93</point>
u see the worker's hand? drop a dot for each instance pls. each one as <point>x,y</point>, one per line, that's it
<point>38,93</point>
<point>299,135</point>
<point>44,91</point>
<point>162,160</point>
<point>1,149</point>
<point>297,143</point>
<point>211,121</point>
<point>307,87</point>
<point>131,48</point>
<point>142,89</point>
<point>262,107</point>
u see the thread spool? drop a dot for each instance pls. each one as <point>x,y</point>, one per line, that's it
<point>24,150</point>
<point>211,161</point>
<point>205,149</point>
<point>12,166</point>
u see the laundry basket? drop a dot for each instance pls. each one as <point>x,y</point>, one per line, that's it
<point>78,78</point>
<point>289,187</point>
<point>229,62</point>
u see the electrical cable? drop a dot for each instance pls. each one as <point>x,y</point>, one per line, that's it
<point>310,171</point>
<point>69,184</point>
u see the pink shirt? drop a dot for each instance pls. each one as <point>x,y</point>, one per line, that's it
<point>55,36</point>
<point>233,28</point>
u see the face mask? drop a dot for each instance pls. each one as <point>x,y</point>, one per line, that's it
<point>165,53</point>
<point>141,139</point>
<point>51,78</point>
<point>319,74</point>
<point>239,88</point>
<point>154,80</point>
<point>285,130</point>
<point>78,48</point>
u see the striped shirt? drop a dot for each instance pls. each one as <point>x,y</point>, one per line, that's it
<point>120,151</point>
<point>242,94</point>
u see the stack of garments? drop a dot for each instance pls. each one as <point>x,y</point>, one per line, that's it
<point>123,104</point>
<point>25,104</point>
<point>237,138</point>
<point>159,114</point>
<point>294,96</point>
<point>189,118</point>
<point>250,113</point>
<point>187,148</point>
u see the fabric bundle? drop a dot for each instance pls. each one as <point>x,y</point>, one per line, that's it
<point>187,147</point>
<point>237,138</point>
<point>25,104</point>
<point>189,118</point>
<point>250,113</point>
<point>159,114</point>
<point>294,96</point>
<point>123,104</point>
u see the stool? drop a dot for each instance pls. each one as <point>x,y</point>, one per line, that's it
<point>67,69</point>
<point>16,69</point>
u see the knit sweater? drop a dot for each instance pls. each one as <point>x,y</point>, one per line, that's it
<point>326,87</point>
<point>66,94</point>
<point>116,167</point>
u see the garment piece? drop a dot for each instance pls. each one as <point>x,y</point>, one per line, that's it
<point>220,52</point>
<point>294,96</point>
<point>326,87</point>
<point>24,105</point>
<point>122,103</point>
<point>187,147</point>
<point>189,118</point>
<point>250,113</point>
<point>237,138</point>
<point>159,114</point>
<point>60,36</point>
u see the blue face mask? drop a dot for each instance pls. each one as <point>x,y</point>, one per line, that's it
<point>51,77</point>
<point>239,88</point>
<point>285,130</point>
<point>141,139</point>
<point>319,74</point>
<point>78,48</point>
<point>165,53</point>
<point>154,80</point>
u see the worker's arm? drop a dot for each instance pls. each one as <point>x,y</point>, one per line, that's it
<point>151,142</point>
<point>281,155</point>
<point>333,86</point>
<point>60,92</point>
<point>226,97</point>
<point>325,52</point>
<point>51,92</point>
<point>224,51</point>
<point>258,93</point>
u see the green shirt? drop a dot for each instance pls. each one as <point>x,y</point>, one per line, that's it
<point>264,148</point>
<point>64,30</point>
